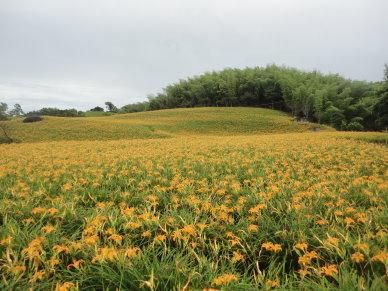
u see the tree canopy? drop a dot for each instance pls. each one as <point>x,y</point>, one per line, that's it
<point>324,98</point>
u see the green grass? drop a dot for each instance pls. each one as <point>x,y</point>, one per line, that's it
<point>97,113</point>
<point>159,124</point>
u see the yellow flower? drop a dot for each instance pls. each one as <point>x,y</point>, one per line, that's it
<point>38,276</point>
<point>64,287</point>
<point>91,240</point>
<point>146,233</point>
<point>224,279</point>
<point>54,262</point>
<point>332,241</point>
<point>307,258</point>
<point>189,229</point>
<point>75,246</point>
<point>361,246</point>
<point>176,234</point>
<point>128,211</point>
<point>109,231</point>
<point>34,248</point>
<point>48,228</point>
<point>322,222</point>
<point>105,254</point>
<point>116,238</point>
<point>237,256</point>
<point>133,225</point>
<point>329,270</point>
<point>253,227</point>
<point>272,247</point>
<point>6,241</point>
<point>361,217</point>
<point>272,283</point>
<point>28,220</point>
<point>160,238</point>
<point>301,246</point>
<point>382,234</point>
<point>18,269</point>
<point>52,211</point>
<point>349,221</point>
<point>61,249</point>
<point>381,257</point>
<point>257,208</point>
<point>67,186</point>
<point>132,252</point>
<point>38,210</point>
<point>358,257</point>
<point>76,264</point>
<point>303,272</point>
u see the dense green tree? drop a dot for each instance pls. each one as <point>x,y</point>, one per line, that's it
<point>97,109</point>
<point>380,110</point>
<point>56,112</point>
<point>110,107</point>
<point>3,110</point>
<point>329,99</point>
<point>17,110</point>
<point>319,104</point>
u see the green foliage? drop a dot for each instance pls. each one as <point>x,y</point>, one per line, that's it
<point>136,107</point>
<point>380,109</point>
<point>57,112</point>
<point>97,108</point>
<point>314,96</point>
<point>97,113</point>
<point>5,133</point>
<point>17,110</point>
<point>354,126</point>
<point>30,119</point>
<point>110,107</point>
<point>3,111</point>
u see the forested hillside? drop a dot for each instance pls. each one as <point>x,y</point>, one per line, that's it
<point>329,99</point>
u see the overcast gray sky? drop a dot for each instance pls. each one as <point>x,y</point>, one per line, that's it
<point>80,53</point>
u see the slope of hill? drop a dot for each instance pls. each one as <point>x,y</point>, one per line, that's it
<point>159,124</point>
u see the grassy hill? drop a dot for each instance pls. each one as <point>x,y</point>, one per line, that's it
<point>159,124</point>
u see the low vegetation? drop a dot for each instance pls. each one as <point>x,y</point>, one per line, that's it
<point>30,119</point>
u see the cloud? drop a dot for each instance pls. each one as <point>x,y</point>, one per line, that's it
<point>62,95</point>
<point>75,53</point>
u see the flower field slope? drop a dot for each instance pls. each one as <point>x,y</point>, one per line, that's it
<point>159,124</point>
<point>296,211</point>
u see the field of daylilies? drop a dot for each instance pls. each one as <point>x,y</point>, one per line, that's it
<point>295,211</point>
<point>160,124</point>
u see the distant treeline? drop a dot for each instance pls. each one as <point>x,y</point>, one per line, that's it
<point>330,99</point>
<point>56,112</point>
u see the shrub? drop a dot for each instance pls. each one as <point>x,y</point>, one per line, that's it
<point>97,108</point>
<point>32,119</point>
<point>56,112</point>
<point>354,126</point>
